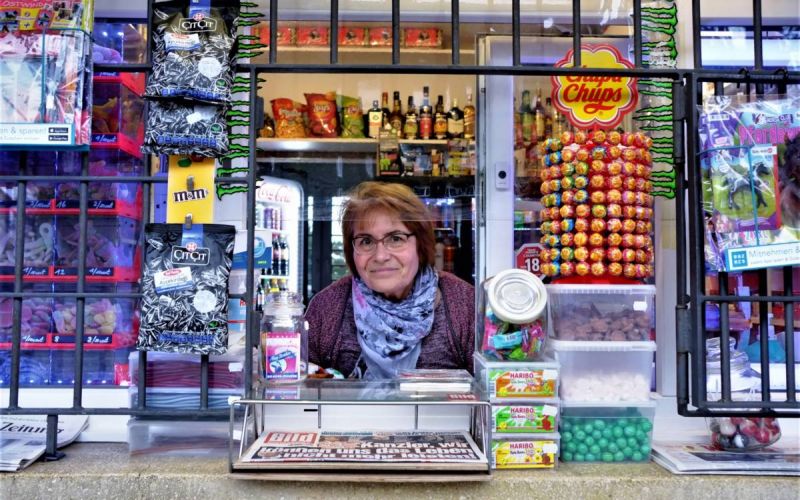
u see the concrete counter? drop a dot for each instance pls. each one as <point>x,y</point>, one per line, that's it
<point>108,471</point>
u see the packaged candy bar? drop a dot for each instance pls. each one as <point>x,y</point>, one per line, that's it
<point>185,288</point>
<point>192,54</point>
<point>176,129</point>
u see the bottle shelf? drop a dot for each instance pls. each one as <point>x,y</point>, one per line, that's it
<point>337,145</point>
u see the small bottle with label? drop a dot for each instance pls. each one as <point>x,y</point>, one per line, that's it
<point>425,117</point>
<point>375,120</point>
<point>440,120</point>
<point>469,117</point>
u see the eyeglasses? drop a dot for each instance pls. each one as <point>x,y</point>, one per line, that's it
<point>367,245</point>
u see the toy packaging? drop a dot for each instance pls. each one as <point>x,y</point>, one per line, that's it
<point>750,161</point>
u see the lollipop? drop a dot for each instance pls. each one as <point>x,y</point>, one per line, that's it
<point>581,224</point>
<point>581,239</point>
<point>567,254</point>
<point>567,269</point>
<point>582,268</point>
<point>581,168</point>
<point>614,225</point>
<point>615,168</point>
<point>597,254</point>
<point>581,182</point>
<point>598,197</point>
<point>599,211</point>
<point>614,239</point>
<point>597,225</point>
<point>629,270</point>
<point>581,254</point>
<point>583,210</point>
<point>580,137</point>
<point>598,166</point>
<point>614,254</point>
<point>596,240</point>
<point>598,136</point>
<point>581,195</point>
<point>567,138</point>
<point>598,269</point>
<point>615,269</point>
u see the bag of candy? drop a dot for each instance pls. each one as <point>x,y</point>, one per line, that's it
<point>175,129</point>
<point>185,288</point>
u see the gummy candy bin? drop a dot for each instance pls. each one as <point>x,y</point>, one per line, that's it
<point>112,242</point>
<point>106,320</point>
<point>100,367</point>
<point>117,108</point>
<point>36,315</point>
<point>592,432</point>
<point>117,42</point>
<point>37,194</point>
<point>517,379</point>
<point>602,312</point>
<point>38,244</point>
<point>539,452</point>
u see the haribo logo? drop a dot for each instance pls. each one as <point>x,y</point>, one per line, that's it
<point>589,101</point>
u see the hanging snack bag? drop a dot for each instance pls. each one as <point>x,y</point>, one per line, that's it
<point>176,129</point>
<point>352,117</point>
<point>192,54</point>
<point>185,288</point>
<point>322,120</point>
<point>289,121</point>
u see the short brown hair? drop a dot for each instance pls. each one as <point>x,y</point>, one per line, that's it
<point>396,200</point>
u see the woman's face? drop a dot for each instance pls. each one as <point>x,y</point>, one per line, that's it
<point>390,272</point>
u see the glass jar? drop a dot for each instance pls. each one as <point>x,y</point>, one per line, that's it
<point>284,338</point>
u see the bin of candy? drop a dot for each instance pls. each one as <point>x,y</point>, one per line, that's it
<point>36,314</point>
<point>100,367</point>
<point>46,81</point>
<point>524,417</point>
<point>122,198</point>
<point>513,311</point>
<point>166,369</point>
<point>118,42</point>
<point>111,246</point>
<point>592,432</point>
<point>510,379</point>
<point>602,312</point>
<point>38,244</point>
<point>604,370</point>
<point>34,368</point>
<point>117,109</point>
<point>539,452</point>
<point>107,321</point>
<point>743,433</point>
<point>37,194</point>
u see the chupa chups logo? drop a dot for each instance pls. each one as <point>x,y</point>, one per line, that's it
<point>595,101</point>
<point>198,23</point>
<point>191,255</point>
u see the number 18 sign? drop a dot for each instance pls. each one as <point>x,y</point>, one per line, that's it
<point>528,258</point>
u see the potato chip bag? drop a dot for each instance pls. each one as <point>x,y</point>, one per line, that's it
<point>352,117</point>
<point>289,121</point>
<point>322,119</point>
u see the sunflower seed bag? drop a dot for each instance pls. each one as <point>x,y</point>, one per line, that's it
<point>185,288</point>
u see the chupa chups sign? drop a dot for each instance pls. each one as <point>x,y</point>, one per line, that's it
<point>595,101</point>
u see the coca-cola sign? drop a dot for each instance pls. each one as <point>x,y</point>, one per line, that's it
<point>595,101</point>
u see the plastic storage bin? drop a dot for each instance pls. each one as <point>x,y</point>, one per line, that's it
<point>604,371</point>
<point>535,452</point>
<point>100,367</point>
<point>106,198</point>
<point>117,42</point>
<point>38,195</point>
<point>112,247</point>
<point>592,432</point>
<point>38,245</point>
<point>524,417</point>
<point>173,370</point>
<point>34,368</point>
<point>508,379</point>
<point>602,312</point>
<point>36,317</point>
<point>110,322</point>
<point>117,109</point>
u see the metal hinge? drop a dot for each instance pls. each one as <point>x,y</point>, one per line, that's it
<point>683,327</point>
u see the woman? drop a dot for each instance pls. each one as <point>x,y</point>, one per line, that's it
<point>396,311</point>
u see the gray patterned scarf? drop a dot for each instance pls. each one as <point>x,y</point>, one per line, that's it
<point>390,333</point>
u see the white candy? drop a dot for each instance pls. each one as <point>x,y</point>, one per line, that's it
<point>594,386</point>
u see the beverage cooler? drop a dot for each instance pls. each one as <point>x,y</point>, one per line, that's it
<point>354,133</point>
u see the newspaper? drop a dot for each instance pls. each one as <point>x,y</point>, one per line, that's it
<point>23,437</point>
<point>321,447</point>
<point>699,458</point>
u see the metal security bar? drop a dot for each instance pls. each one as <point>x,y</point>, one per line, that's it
<point>693,397</point>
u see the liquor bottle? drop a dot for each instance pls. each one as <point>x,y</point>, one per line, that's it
<point>411,125</point>
<point>425,117</point>
<point>548,118</point>
<point>283,285</point>
<point>449,255</point>
<point>273,286</point>
<point>440,120</point>
<point>455,121</point>
<point>284,260</point>
<point>538,116</point>
<point>526,114</point>
<point>385,112</point>
<point>438,260</point>
<point>261,296</point>
<point>469,117</point>
<point>375,120</point>
<point>276,255</point>
<point>518,142</point>
<point>396,118</point>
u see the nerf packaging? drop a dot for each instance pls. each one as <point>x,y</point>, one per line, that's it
<point>750,161</point>
<point>185,288</point>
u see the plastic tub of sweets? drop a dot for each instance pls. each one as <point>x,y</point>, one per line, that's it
<point>601,432</point>
<point>602,312</point>
<point>509,379</point>
<point>604,371</point>
<point>510,416</point>
<point>525,452</point>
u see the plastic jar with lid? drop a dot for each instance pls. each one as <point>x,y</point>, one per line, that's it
<point>284,338</point>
